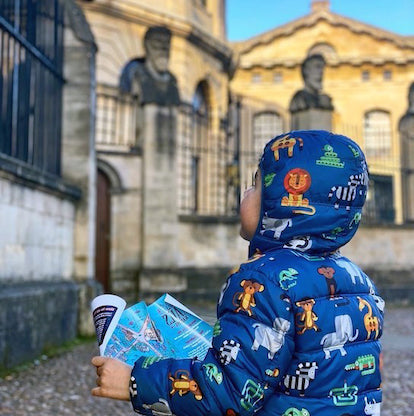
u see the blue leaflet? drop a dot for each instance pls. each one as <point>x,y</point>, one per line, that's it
<point>164,329</point>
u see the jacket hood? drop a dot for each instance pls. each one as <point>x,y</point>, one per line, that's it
<point>314,184</point>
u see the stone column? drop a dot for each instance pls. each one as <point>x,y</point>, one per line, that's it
<point>406,130</point>
<point>159,206</point>
<point>78,152</point>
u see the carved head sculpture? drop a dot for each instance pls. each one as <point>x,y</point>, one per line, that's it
<point>157,42</point>
<point>312,72</point>
<point>411,98</point>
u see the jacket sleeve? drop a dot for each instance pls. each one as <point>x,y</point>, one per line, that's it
<point>250,353</point>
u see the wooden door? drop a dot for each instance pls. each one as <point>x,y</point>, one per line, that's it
<point>103,231</point>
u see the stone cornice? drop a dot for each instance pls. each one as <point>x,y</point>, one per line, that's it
<point>333,19</point>
<point>178,25</point>
<point>333,62</point>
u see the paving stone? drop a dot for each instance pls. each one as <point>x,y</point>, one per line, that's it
<point>61,386</point>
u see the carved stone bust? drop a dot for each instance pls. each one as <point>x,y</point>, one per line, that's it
<point>406,124</point>
<point>311,96</point>
<point>149,77</point>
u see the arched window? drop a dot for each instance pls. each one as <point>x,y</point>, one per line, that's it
<point>193,153</point>
<point>31,83</point>
<point>266,125</point>
<point>200,102</point>
<point>377,134</point>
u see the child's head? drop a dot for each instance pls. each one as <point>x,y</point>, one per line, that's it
<point>250,208</point>
<point>309,192</point>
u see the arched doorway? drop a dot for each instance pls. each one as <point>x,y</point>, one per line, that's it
<point>103,230</point>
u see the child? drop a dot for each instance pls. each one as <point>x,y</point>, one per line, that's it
<point>298,325</point>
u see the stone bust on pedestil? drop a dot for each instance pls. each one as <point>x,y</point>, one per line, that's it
<point>406,124</point>
<point>311,96</point>
<point>149,77</point>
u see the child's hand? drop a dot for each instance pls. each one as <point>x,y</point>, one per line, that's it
<point>113,378</point>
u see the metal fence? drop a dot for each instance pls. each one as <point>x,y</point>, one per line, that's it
<point>385,167</point>
<point>208,175</point>
<point>214,168</point>
<point>31,81</point>
<point>116,118</point>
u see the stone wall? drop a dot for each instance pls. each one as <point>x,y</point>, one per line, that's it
<point>35,316</point>
<point>386,255</point>
<point>210,247</point>
<point>38,300</point>
<point>47,222</point>
<point>36,241</point>
<point>210,242</point>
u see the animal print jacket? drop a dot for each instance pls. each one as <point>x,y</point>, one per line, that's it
<point>298,324</point>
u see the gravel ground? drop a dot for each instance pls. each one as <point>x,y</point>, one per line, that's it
<point>61,385</point>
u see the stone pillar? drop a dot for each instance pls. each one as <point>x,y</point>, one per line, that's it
<point>78,151</point>
<point>159,206</point>
<point>406,130</point>
<point>311,119</point>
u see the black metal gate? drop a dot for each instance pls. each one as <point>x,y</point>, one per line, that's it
<point>31,81</point>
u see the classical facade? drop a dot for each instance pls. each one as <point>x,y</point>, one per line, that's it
<point>162,158</point>
<point>125,148</point>
<point>367,75</point>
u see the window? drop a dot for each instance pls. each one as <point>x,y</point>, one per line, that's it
<point>200,105</point>
<point>277,77</point>
<point>193,176</point>
<point>265,126</point>
<point>365,75</point>
<point>387,75</point>
<point>377,134</point>
<point>31,81</point>
<point>379,206</point>
<point>256,78</point>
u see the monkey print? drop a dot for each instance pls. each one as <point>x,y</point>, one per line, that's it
<point>328,273</point>
<point>306,319</point>
<point>245,299</point>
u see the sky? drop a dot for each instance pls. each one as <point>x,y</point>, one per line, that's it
<point>247,18</point>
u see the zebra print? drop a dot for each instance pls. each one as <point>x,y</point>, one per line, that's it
<point>345,193</point>
<point>304,373</point>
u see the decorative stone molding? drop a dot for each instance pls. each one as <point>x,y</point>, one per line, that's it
<point>77,21</point>
<point>333,19</point>
<point>114,178</point>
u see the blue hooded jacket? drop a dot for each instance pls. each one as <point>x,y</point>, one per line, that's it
<point>298,324</point>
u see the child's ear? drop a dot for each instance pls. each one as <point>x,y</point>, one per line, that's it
<point>242,283</point>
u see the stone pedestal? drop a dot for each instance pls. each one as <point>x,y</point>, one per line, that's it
<point>311,119</point>
<point>159,209</point>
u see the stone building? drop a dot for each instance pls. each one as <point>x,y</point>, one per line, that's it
<point>135,191</point>
<point>367,75</point>
<point>47,175</point>
<point>162,199</point>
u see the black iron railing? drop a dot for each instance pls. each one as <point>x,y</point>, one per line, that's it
<point>207,172</point>
<point>117,121</point>
<point>31,81</point>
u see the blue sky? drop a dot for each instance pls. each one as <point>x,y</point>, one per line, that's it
<point>246,18</point>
